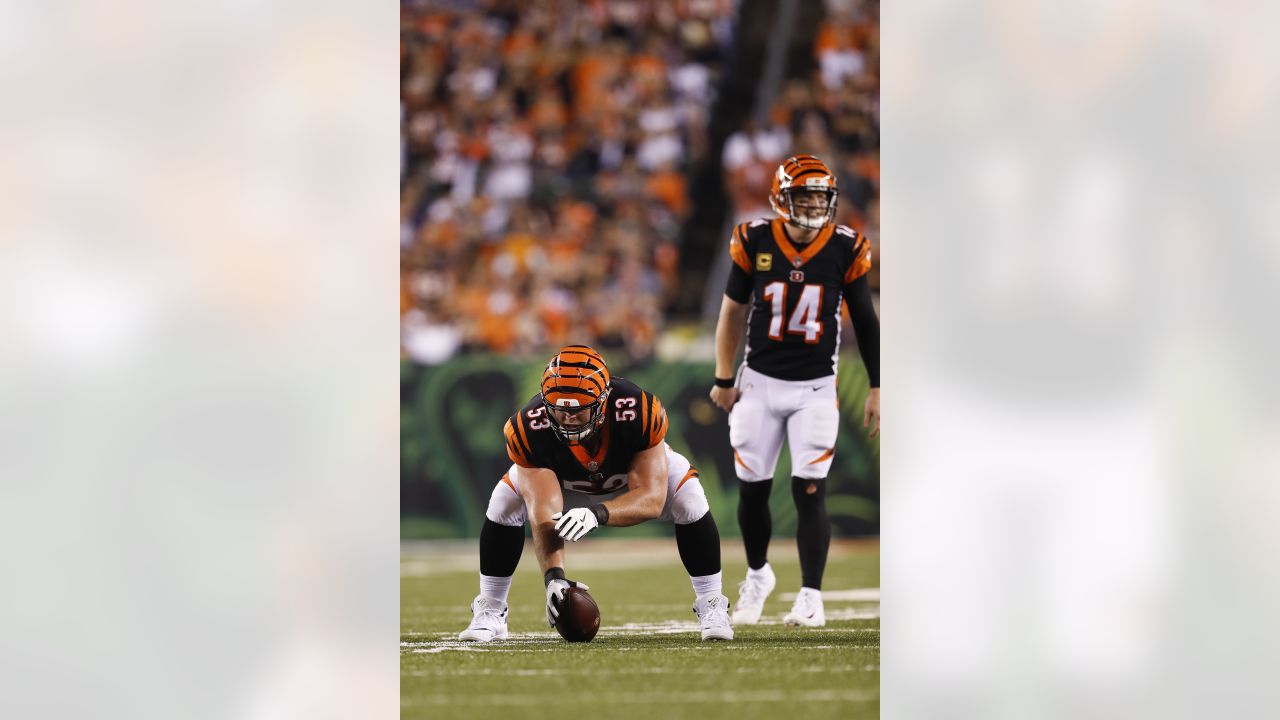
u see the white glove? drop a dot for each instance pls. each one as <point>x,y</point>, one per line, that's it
<point>576,523</point>
<point>555,596</point>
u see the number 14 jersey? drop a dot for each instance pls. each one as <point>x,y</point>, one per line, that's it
<point>793,326</point>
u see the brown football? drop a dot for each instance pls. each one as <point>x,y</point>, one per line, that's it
<point>579,616</point>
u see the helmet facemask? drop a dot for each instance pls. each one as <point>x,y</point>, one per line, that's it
<point>801,216</point>
<point>803,173</point>
<point>577,433</point>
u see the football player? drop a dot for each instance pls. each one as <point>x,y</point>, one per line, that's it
<point>785,285</point>
<point>589,451</point>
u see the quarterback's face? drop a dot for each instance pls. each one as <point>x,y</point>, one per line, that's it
<point>810,204</point>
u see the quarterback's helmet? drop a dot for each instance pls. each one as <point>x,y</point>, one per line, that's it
<point>575,388</point>
<point>801,173</point>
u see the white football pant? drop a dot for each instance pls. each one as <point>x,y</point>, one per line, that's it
<point>805,411</point>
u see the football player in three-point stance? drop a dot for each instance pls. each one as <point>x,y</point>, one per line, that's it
<point>787,279</point>
<point>589,451</point>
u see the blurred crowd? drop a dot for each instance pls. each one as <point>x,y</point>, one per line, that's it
<point>546,150</point>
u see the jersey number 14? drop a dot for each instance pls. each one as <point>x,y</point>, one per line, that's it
<point>806,318</point>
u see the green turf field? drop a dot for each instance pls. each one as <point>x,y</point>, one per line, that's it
<point>647,660</point>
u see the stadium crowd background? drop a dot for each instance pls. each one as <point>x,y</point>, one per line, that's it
<point>560,160</point>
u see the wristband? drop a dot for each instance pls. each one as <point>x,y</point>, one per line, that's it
<point>555,573</point>
<point>724,382</point>
<point>602,514</point>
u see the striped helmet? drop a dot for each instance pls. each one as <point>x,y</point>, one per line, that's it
<point>575,388</point>
<point>803,173</point>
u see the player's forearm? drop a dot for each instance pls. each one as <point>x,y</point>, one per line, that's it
<point>866,327</point>
<point>541,492</point>
<point>729,332</point>
<point>548,545</point>
<point>634,507</point>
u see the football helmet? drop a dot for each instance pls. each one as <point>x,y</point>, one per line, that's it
<point>803,173</point>
<point>575,388</point>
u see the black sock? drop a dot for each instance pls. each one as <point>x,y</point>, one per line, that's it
<point>813,528</point>
<point>699,545</point>
<point>754,520</point>
<point>500,548</point>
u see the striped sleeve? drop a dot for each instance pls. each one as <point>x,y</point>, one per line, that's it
<point>861,264</point>
<point>738,249</point>
<point>656,422</point>
<point>517,444</point>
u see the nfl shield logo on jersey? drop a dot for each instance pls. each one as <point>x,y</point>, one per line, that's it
<point>797,276</point>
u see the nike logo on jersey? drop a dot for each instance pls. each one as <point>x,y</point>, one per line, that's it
<point>816,389</point>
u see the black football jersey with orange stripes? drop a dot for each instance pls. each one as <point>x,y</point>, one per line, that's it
<point>795,291</point>
<point>634,421</point>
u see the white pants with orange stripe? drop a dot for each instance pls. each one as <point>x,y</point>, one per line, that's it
<point>686,501</point>
<point>805,412</point>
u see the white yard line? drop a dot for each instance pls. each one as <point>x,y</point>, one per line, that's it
<point>599,672</point>
<point>856,595</point>
<point>663,698</point>
<point>549,641</point>
<point>669,627</point>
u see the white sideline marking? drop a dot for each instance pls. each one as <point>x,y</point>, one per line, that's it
<point>503,647</point>
<point>538,641</point>
<point>664,698</point>
<point>597,672</point>
<point>858,595</point>
<point>513,642</point>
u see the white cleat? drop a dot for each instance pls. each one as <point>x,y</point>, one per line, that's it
<point>752,593</point>
<point>807,610</point>
<point>489,621</point>
<point>713,614</point>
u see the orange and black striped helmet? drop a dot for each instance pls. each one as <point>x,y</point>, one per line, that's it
<point>576,380</point>
<point>803,173</point>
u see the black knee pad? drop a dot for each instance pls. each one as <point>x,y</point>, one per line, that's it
<point>500,548</point>
<point>755,494</point>
<point>813,528</point>
<point>755,521</point>
<point>699,546</point>
<point>809,492</point>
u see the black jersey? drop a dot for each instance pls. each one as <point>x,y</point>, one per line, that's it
<point>793,329</point>
<point>634,421</point>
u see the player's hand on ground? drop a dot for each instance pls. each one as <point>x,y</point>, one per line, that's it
<point>555,595</point>
<point>724,397</point>
<point>871,411</point>
<point>576,523</point>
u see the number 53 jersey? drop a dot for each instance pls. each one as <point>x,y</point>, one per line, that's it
<point>793,326</point>
<point>634,421</point>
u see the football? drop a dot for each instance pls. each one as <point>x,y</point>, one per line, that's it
<point>579,616</point>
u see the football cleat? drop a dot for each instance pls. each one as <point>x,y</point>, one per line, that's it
<point>489,621</point>
<point>807,610</point>
<point>713,615</point>
<point>752,593</point>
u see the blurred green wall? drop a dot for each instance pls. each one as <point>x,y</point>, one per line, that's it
<point>451,445</point>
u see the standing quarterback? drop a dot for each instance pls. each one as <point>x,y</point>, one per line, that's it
<point>785,285</point>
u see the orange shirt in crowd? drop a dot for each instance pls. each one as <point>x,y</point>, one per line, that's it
<point>669,188</point>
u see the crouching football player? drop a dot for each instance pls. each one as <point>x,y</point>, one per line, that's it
<point>589,451</point>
